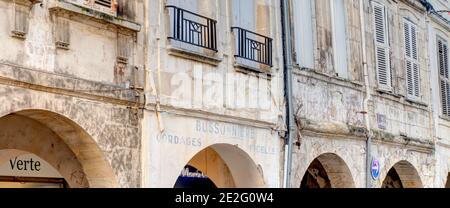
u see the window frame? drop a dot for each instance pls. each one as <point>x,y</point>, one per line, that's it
<point>92,4</point>
<point>386,47</point>
<point>415,96</point>
<point>442,78</point>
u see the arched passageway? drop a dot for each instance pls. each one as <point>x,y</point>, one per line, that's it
<point>58,141</point>
<point>402,175</point>
<point>328,171</point>
<point>222,166</point>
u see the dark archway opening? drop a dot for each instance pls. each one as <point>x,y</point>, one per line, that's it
<point>315,177</point>
<point>392,180</point>
<point>328,171</point>
<point>221,166</point>
<point>402,175</point>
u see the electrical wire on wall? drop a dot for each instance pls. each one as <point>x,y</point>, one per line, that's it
<point>430,8</point>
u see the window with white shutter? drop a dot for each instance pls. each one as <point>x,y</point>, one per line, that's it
<point>340,38</point>
<point>105,6</point>
<point>382,50</point>
<point>442,56</point>
<point>411,60</point>
<point>244,14</point>
<point>105,3</point>
<point>303,29</point>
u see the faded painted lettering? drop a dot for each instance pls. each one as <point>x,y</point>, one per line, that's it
<point>225,129</point>
<point>170,138</point>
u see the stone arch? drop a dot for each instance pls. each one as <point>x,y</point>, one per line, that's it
<point>228,166</point>
<point>406,173</point>
<point>330,171</point>
<point>447,185</point>
<point>60,142</point>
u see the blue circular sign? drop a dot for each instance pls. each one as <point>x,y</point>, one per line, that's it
<point>375,169</point>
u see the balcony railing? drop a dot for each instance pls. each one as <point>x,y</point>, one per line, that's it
<point>192,28</point>
<point>253,46</point>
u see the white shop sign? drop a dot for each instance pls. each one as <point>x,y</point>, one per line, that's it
<point>19,164</point>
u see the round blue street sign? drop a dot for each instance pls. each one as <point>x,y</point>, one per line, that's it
<point>375,169</point>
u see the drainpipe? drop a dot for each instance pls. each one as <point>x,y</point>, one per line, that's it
<point>287,72</point>
<point>367,97</point>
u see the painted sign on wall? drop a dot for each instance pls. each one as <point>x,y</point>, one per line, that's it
<point>375,169</point>
<point>190,177</point>
<point>22,164</point>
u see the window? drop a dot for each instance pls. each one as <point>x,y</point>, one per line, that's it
<point>105,6</point>
<point>444,81</point>
<point>244,14</point>
<point>250,46</point>
<point>340,38</point>
<point>191,28</point>
<point>21,21</point>
<point>303,27</point>
<point>105,3</point>
<point>382,50</point>
<point>411,60</point>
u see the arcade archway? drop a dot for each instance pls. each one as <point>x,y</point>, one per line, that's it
<point>328,171</point>
<point>222,166</point>
<point>61,143</point>
<point>402,175</point>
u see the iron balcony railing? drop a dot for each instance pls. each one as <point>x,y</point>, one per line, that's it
<point>253,46</point>
<point>193,29</point>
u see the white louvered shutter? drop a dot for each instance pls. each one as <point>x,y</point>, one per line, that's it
<point>411,60</point>
<point>444,75</point>
<point>304,37</point>
<point>105,3</point>
<point>340,38</point>
<point>382,56</point>
<point>244,14</point>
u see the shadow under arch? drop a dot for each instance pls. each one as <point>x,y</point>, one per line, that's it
<point>328,171</point>
<point>228,166</point>
<point>402,175</point>
<point>447,185</point>
<point>60,142</point>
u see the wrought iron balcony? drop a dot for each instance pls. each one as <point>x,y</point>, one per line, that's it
<point>253,46</point>
<point>193,29</point>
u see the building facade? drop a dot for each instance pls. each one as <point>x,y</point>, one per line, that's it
<point>194,93</point>
<point>214,94</point>
<point>438,33</point>
<point>69,93</point>
<point>369,105</point>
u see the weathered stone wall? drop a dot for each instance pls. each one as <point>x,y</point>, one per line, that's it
<point>403,116</point>
<point>441,125</point>
<point>114,128</point>
<point>81,92</point>
<point>252,154</point>
<point>182,74</point>
<point>331,108</point>
<point>188,84</point>
<point>350,150</point>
